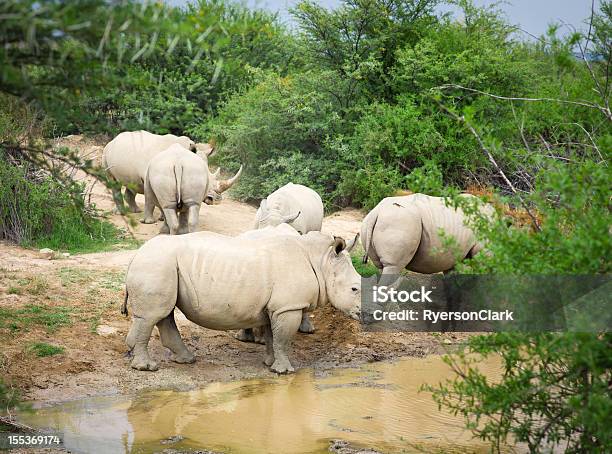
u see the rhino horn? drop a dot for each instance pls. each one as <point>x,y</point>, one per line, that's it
<point>291,217</point>
<point>263,205</point>
<point>351,244</point>
<point>226,184</point>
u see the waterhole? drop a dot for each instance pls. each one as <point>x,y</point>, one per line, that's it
<point>376,405</point>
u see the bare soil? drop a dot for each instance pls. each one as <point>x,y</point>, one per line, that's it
<point>90,288</point>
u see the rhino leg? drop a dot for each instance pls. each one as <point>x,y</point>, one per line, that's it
<point>183,218</point>
<point>130,198</point>
<point>284,327</point>
<point>150,201</point>
<point>171,338</point>
<point>269,341</point>
<point>171,222</point>
<point>306,325</point>
<point>193,217</point>
<point>138,341</point>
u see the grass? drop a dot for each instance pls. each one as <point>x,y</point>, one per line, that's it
<point>12,290</point>
<point>42,349</point>
<point>22,319</point>
<point>364,269</point>
<point>74,276</point>
<point>103,237</point>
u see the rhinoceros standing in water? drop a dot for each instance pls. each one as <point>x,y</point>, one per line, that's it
<point>176,182</point>
<point>226,283</point>
<point>127,157</point>
<point>404,232</point>
<point>295,205</point>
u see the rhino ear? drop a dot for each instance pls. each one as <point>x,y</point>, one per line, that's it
<point>351,244</point>
<point>339,245</point>
<point>291,217</point>
<point>216,174</point>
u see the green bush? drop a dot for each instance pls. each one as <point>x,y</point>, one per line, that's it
<point>37,210</point>
<point>279,129</point>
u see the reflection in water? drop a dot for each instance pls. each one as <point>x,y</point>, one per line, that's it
<point>377,405</point>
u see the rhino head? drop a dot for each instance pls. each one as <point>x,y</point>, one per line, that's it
<point>272,216</point>
<point>335,271</point>
<point>216,186</point>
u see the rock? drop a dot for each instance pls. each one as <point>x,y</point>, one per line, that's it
<point>447,341</point>
<point>105,330</point>
<point>47,253</point>
<point>66,255</point>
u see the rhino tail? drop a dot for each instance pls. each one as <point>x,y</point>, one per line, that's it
<point>367,233</point>
<point>178,176</point>
<point>124,308</point>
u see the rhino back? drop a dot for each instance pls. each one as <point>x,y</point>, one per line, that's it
<point>296,197</point>
<point>441,224</point>
<point>127,156</point>
<point>228,283</point>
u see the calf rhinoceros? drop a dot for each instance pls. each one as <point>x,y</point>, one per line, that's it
<point>405,232</point>
<point>176,182</point>
<point>294,204</point>
<point>226,283</point>
<point>127,156</point>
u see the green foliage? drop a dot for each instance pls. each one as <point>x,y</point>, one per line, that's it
<point>37,210</point>
<point>42,349</point>
<point>279,129</point>
<point>554,391</point>
<point>364,269</point>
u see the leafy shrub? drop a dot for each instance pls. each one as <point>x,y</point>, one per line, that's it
<point>279,130</point>
<point>554,391</point>
<point>37,210</point>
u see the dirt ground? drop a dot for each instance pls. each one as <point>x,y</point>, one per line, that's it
<point>88,291</point>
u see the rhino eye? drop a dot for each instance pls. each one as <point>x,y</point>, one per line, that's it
<point>354,289</point>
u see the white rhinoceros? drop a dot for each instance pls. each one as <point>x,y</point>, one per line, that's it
<point>176,182</point>
<point>127,156</point>
<point>301,208</point>
<point>294,204</point>
<point>226,283</point>
<point>406,232</point>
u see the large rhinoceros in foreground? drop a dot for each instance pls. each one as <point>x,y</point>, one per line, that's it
<point>294,204</point>
<point>405,232</point>
<point>226,283</point>
<point>127,157</point>
<point>255,335</point>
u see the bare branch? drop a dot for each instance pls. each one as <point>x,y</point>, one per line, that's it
<point>492,160</point>
<point>605,110</point>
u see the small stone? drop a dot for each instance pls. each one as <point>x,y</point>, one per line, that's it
<point>105,330</point>
<point>447,341</point>
<point>47,253</point>
<point>66,255</point>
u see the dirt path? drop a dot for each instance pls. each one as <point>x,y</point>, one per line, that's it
<point>73,304</point>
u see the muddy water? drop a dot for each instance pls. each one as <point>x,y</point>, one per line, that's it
<point>376,405</point>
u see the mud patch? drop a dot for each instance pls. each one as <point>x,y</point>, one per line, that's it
<point>376,406</point>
